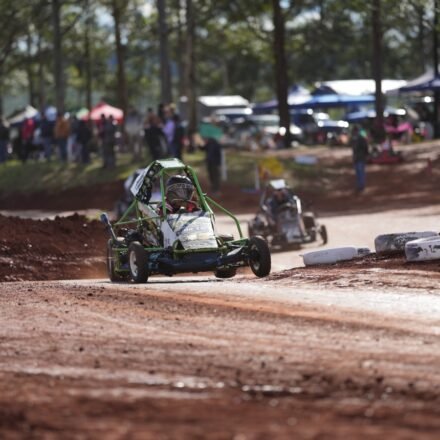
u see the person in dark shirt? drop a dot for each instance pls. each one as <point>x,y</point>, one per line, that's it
<point>4,140</point>
<point>213,161</point>
<point>359,147</point>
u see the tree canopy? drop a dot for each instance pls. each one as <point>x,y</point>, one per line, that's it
<point>233,45</point>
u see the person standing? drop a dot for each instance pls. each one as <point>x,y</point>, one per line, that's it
<point>83,137</point>
<point>359,146</point>
<point>178,138</point>
<point>169,129</point>
<point>62,132</point>
<point>109,140</point>
<point>155,138</point>
<point>4,140</point>
<point>213,162</point>
<point>27,138</point>
<point>46,129</point>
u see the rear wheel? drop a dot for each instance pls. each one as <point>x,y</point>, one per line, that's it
<point>111,267</point>
<point>259,256</point>
<point>227,272</point>
<point>138,262</point>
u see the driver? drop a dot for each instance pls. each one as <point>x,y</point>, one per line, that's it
<point>179,195</point>
<point>278,198</point>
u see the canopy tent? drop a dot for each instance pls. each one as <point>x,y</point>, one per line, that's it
<point>21,115</point>
<point>356,86</point>
<point>297,95</point>
<point>371,114</point>
<point>318,101</point>
<point>335,100</point>
<point>105,109</point>
<point>424,83</point>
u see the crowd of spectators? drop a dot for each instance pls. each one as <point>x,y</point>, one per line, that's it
<point>69,139</point>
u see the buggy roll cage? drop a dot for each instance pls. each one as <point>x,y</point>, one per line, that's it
<point>142,191</point>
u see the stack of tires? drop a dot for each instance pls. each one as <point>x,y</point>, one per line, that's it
<point>416,246</point>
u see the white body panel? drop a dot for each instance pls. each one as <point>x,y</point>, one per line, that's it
<point>423,249</point>
<point>334,255</point>
<point>389,243</point>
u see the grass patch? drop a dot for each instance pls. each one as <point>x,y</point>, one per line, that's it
<point>53,177</point>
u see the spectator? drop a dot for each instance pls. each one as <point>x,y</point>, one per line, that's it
<point>83,138</point>
<point>155,138</point>
<point>4,140</point>
<point>109,140</point>
<point>161,112</point>
<point>46,132</point>
<point>169,129</point>
<point>178,138</point>
<point>27,138</point>
<point>213,162</point>
<point>62,132</point>
<point>73,152</point>
<point>359,146</point>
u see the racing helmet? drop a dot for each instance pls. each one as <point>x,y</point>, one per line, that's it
<point>179,189</point>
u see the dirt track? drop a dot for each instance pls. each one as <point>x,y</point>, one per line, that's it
<point>186,360</point>
<point>346,351</point>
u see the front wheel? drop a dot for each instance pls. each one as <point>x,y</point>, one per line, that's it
<point>228,272</point>
<point>138,262</point>
<point>111,267</point>
<point>259,256</point>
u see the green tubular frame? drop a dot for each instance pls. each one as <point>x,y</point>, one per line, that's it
<point>204,199</point>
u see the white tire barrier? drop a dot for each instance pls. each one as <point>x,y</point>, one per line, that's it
<point>423,249</point>
<point>334,255</point>
<point>393,243</point>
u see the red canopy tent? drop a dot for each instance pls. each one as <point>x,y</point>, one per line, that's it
<point>105,109</point>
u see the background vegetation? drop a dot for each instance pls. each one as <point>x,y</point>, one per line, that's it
<point>73,53</point>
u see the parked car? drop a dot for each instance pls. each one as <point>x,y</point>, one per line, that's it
<point>318,128</point>
<point>263,131</point>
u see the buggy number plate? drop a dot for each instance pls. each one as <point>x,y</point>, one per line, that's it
<point>194,230</point>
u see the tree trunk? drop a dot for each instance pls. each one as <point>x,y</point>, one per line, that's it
<point>377,60</point>
<point>181,50</point>
<point>190,83</point>
<point>421,43</point>
<point>165,76</point>
<point>41,82</point>
<point>282,82</point>
<point>58,55</point>
<point>29,72</point>
<point>87,56</point>
<point>122,84</point>
<point>1,91</point>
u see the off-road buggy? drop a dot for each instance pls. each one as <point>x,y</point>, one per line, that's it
<point>150,239</point>
<point>281,220</point>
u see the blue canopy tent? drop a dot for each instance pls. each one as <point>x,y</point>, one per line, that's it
<point>424,83</point>
<point>297,95</point>
<point>335,100</point>
<point>327,100</point>
<point>371,114</point>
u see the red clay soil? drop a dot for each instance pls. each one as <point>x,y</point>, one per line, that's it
<point>373,271</point>
<point>64,248</point>
<point>331,189</point>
